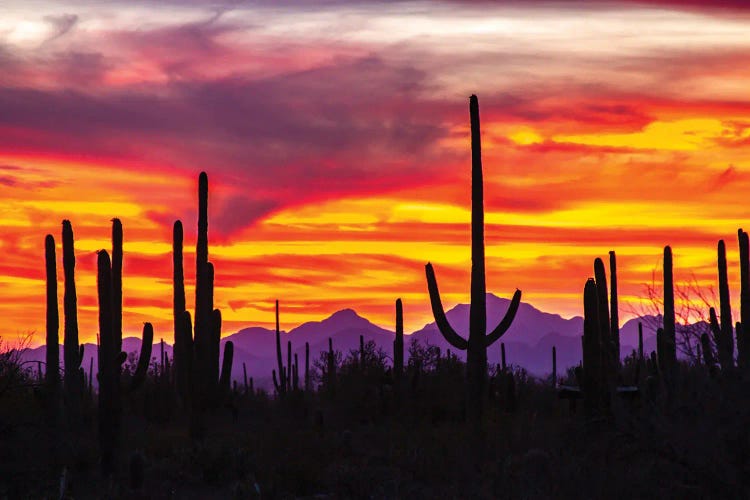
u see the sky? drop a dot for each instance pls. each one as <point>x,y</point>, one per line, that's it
<point>336,139</point>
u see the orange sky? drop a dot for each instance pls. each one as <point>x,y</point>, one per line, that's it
<point>336,142</point>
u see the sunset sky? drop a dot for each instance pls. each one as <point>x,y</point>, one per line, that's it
<point>335,136</point>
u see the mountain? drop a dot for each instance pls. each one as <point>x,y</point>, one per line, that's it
<point>528,342</point>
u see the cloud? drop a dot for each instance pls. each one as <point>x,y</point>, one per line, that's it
<point>61,25</point>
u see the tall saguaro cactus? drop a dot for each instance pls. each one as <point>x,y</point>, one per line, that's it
<point>197,343</point>
<point>72,352</point>
<point>605,334</point>
<point>668,360</point>
<point>479,340</point>
<point>613,308</point>
<point>178,310</point>
<point>117,282</point>
<point>723,332</point>
<point>743,343</point>
<point>592,350</point>
<point>111,356</point>
<point>53,319</point>
<point>110,359</point>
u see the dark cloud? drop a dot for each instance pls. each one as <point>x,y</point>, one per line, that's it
<point>354,125</point>
<point>61,24</point>
<point>236,212</point>
<point>8,181</point>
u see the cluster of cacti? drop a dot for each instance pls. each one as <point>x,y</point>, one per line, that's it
<point>196,354</point>
<point>282,383</point>
<point>73,378</point>
<point>721,326</point>
<point>111,357</point>
<point>504,384</point>
<point>479,340</point>
<point>601,360</point>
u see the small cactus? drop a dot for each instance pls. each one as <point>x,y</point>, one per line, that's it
<point>398,343</point>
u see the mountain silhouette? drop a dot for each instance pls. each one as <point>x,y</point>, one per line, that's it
<point>528,342</point>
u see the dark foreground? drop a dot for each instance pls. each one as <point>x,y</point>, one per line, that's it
<point>367,439</point>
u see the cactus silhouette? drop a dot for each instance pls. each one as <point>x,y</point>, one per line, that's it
<point>53,319</point>
<point>398,343</point>
<point>111,356</point>
<point>743,346</point>
<point>117,283</point>
<point>141,370</point>
<point>605,333</point>
<point>554,366</point>
<point>613,309</point>
<point>331,371</point>
<point>179,352</point>
<point>308,382</point>
<point>226,369</point>
<point>723,331</point>
<point>279,382</point>
<point>72,352</point>
<point>197,343</point>
<point>667,345</point>
<point>110,359</point>
<point>593,380</point>
<point>479,340</point>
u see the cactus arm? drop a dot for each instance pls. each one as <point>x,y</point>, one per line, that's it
<point>445,328</point>
<point>507,320</point>
<point>279,360</point>
<point>226,368</point>
<point>275,382</point>
<point>145,357</point>
<point>714,322</point>
<point>708,355</point>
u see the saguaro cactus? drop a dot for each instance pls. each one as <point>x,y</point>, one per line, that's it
<point>72,352</point>
<point>479,340</point>
<point>743,345</point>
<point>144,359</point>
<point>723,332</point>
<point>53,319</point>
<point>331,366</point>
<point>593,382</point>
<point>605,334</point>
<point>398,343</point>
<point>279,383</point>
<point>668,360</point>
<point>111,356</point>
<point>179,353</point>
<point>613,308</point>
<point>117,282</point>
<point>554,366</point>
<point>308,382</point>
<point>640,342</point>
<point>110,359</point>
<point>226,369</point>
